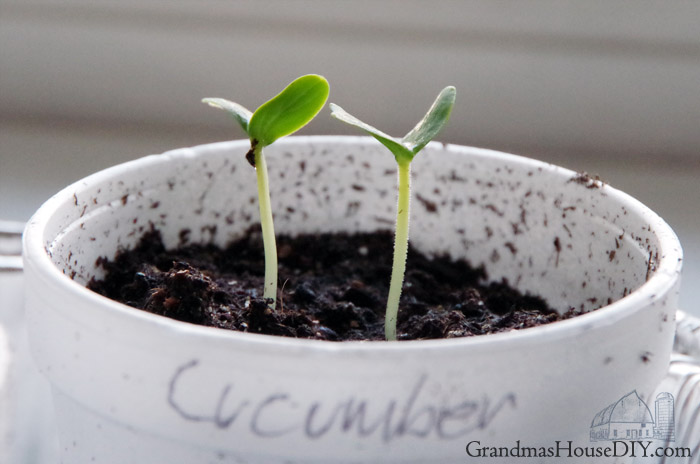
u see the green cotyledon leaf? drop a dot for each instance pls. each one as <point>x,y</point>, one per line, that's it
<point>405,149</point>
<point>433,121</point>
<point>400,152</point>
<point>290,110</point>
<point>240,114</point>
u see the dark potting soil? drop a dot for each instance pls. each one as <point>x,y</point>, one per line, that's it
<point>332,287</point>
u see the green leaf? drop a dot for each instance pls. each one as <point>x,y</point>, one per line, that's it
<point>289,111</point>
<point>433,121</point>
<point>401,153</point>
<point>240,114</point>
<point>405,149</point>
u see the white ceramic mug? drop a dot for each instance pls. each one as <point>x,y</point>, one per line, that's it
<point>130,386</point>
<point>27,408</point>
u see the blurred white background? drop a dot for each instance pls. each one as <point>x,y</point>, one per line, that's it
<point>611,87</point>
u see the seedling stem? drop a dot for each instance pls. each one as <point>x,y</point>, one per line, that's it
<point>398,270</point>
<point>267,225</point>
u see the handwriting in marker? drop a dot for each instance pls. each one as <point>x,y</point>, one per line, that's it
<point>277,413</point>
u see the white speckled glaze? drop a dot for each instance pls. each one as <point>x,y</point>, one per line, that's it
<point>135,387</point>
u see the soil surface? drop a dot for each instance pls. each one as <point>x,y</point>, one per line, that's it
<point>332,287</point>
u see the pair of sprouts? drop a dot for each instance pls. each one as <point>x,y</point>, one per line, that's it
<point>291,110</point>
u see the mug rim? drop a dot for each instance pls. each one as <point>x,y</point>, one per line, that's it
<point>659,284</point>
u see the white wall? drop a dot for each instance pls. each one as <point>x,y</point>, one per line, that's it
<point>620,76</point>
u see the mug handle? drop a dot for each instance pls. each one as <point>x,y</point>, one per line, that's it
<point>687,341</point>
<point>682,381</point>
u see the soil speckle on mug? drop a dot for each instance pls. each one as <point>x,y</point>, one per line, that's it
<point>588,181</point>
<point>332,287</point>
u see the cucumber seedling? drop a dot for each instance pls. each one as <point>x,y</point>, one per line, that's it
<point>283,115</point>
<point>404,150</point>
